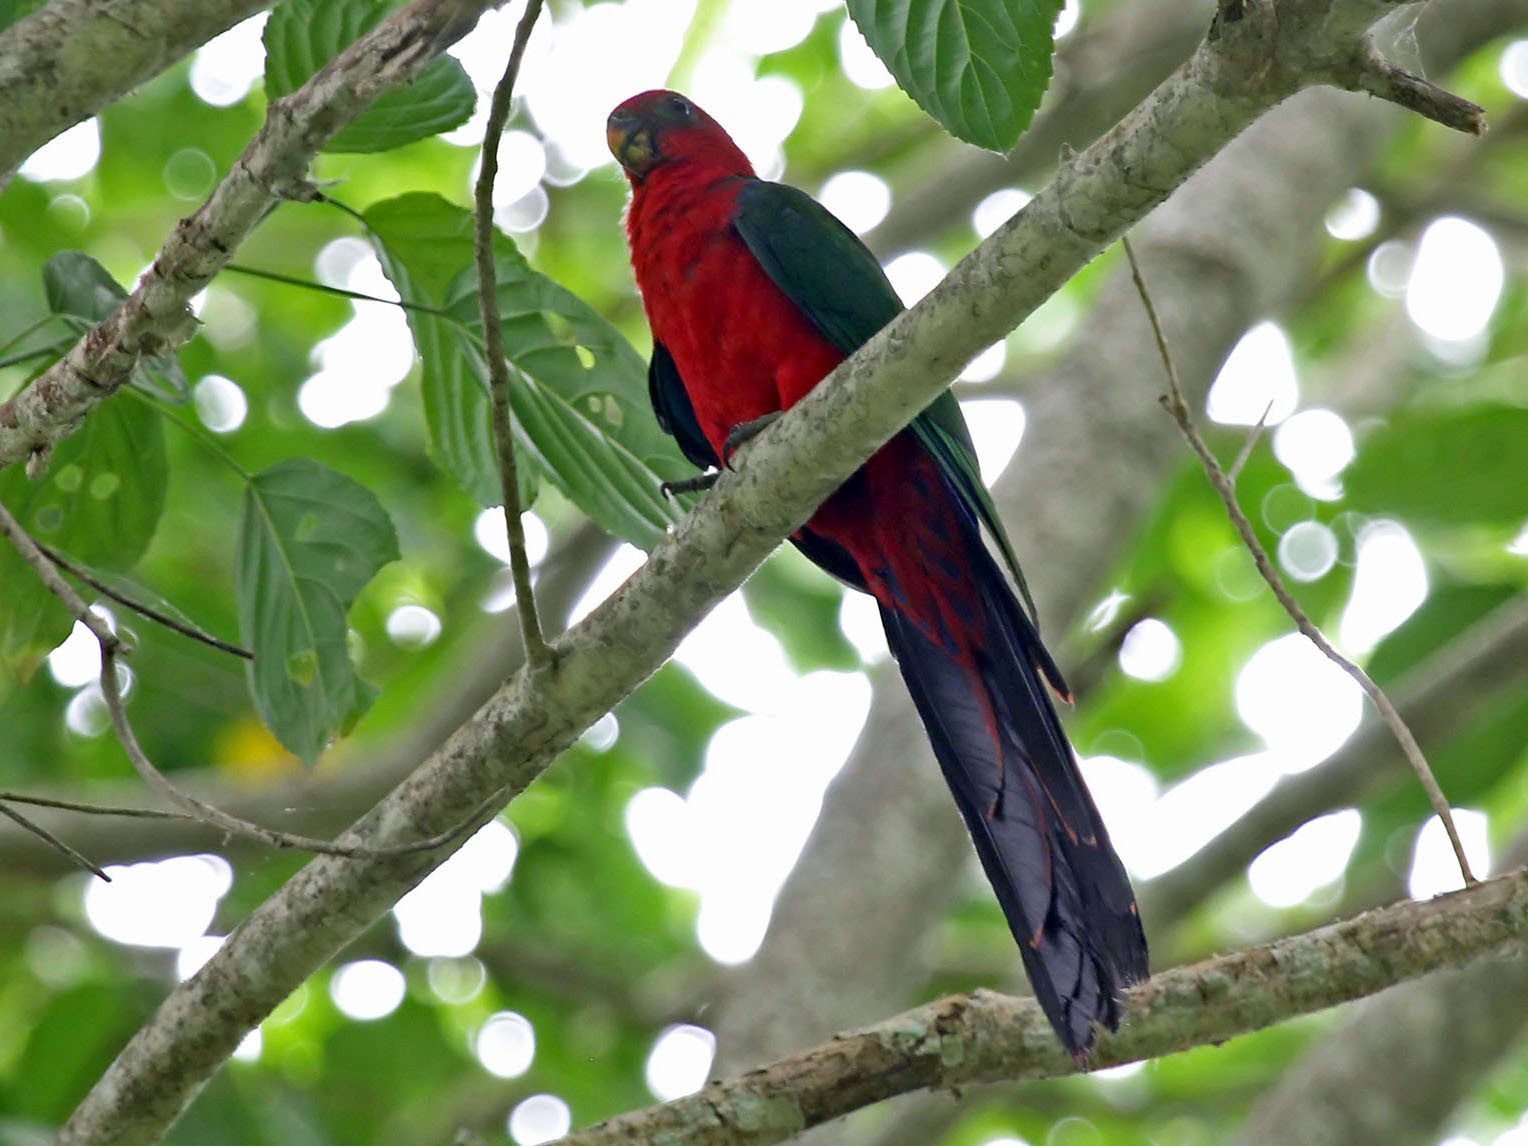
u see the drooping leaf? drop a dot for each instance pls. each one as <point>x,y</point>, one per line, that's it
<point>979,67</point>
<point>82,292</point>
<point>579,389</point>
<point>100,502</point>
<point>302,36</point>
<point>310,540</point>
<point>456,407</point>
<point>1446,466</point>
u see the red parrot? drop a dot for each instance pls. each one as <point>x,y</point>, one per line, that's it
<point>754,293</point>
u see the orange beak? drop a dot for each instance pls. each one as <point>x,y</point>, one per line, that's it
<point>630,142</point>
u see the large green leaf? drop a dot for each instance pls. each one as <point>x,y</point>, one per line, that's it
<point>99,501</point>
<point>82,292</point>
<point>1446,466</point>
<point>302,36</point>
<point>456,406</point>
<point>979,67</point>
<point>579,390</point>
<point>310,540</point>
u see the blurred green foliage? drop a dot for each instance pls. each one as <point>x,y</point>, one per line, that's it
<point>583,941</point>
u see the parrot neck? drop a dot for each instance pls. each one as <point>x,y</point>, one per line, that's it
<point>673,210</point>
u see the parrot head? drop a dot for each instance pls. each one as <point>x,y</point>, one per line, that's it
<point>659,128</point>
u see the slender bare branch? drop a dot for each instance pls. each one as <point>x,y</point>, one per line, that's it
<point>52,841</point>
<point>89,809</point>
<point>1379,77</point>
<point>156,615</point>
<point>1175,405</point>
<point>112,649</point>
<point>493,338</point>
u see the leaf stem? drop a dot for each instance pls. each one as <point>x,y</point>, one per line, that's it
<point>1174,403</point>
<point>340,292</point>
<point>183,628</point>
<point>197,432</point>
<point>537,654</point>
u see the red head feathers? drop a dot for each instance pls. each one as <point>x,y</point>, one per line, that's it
<point>657,128</point>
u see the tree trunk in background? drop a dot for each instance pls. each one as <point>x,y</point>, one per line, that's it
<point>1235,244</point>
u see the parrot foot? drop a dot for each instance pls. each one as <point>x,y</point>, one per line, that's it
<point>744,432</point>
<point>697,484</point>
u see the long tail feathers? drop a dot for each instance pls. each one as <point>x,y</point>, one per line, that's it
<point>1036,829</point>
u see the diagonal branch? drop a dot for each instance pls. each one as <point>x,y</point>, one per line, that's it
<point>71,58</point>
<point>986,1037</point>
<point>156,318</point>
<point>1443,694</point>
<point>1249,67</point>
<point>1225,486</point>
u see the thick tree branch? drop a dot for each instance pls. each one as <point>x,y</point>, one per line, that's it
<point>1353,1089</point>
<point>1118,55</point>
<point>988,1037</point>
<point>156,318</point>
<point>71,58</point>
<point>1248,68</point>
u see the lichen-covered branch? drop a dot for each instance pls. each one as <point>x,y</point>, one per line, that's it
<point>69,59</point>
<point>988,1037</point>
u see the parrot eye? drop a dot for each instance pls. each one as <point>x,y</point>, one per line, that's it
<point>683,107</point>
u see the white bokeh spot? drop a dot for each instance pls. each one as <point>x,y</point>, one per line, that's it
<point>680,1061</point>
<point>1456,280</point>
<point>367,989</point>
<point>1301,704</point>
<point>1434,867</point>
<point>1258,376</point>
<point>1389,584</point>
<point>161,903</point>
<point>1314,855</point>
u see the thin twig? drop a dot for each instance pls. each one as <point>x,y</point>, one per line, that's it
<point>338,292</point>
<point>1255,436</point>
<point>53,841</point>
<point>536,653</point>
<point>94,809</point>
<point>148,611</point>
<point>1175,405</point>
<point>112,649</point>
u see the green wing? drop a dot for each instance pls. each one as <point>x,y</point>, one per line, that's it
<point>825,270</point>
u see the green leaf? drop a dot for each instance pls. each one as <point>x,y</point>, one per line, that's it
<point>579,389</point>
<point>1445,466</point>
<point>302,36</point>
<point>14,10</point>
<point>100,502</point>
<point>82,292</point>
<point>310,540</point>
<point>979,67</point>
<point>456,406</point>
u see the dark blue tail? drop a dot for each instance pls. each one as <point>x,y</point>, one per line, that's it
<point>1041,841</point>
